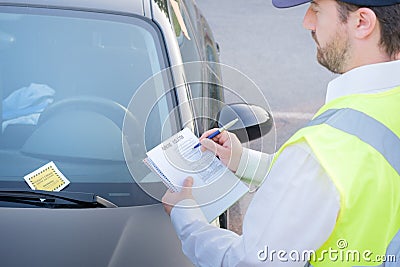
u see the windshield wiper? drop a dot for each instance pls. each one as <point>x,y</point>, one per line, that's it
<point>54,200</point>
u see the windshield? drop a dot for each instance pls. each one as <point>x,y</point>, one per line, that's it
<point>66,79</point>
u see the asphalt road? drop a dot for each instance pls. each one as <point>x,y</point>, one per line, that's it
<point>272,48</point>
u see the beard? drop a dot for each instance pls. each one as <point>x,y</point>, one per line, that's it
<point>335,54</point>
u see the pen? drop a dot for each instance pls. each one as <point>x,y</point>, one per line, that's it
<point>220,130</point>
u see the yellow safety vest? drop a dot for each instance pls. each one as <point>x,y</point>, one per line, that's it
<point>356,140</point>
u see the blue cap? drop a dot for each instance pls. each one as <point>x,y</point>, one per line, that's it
<point>290,3</point>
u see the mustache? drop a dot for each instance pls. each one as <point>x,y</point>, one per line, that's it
<point>314,36</point>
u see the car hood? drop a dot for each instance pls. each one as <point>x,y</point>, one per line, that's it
<point>128,236</point>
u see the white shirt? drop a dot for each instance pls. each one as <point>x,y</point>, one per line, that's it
<point>295,208</point>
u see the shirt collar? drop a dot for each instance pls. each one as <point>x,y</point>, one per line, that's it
<point>365,79</point>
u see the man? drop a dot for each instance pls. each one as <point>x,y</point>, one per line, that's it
<point>333,188</point>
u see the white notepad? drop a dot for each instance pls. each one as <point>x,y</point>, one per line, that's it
<point>215,187</point>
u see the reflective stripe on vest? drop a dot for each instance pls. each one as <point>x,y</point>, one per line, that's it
<point>381,138</point>
<point>367,129</point>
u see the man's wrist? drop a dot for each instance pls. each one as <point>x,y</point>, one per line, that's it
<point>253,165</point>
<point>185,212</point>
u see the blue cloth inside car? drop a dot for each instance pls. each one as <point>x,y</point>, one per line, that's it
<point>24,105</point>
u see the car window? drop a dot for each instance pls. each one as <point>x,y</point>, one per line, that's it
<point>66,79</point>
<point>184,31</point>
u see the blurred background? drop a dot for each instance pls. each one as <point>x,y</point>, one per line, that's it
<point>273,49</point>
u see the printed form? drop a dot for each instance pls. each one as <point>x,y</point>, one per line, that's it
<point>215,187</point>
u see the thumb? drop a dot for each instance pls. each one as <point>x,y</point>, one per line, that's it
<point>187,187</point>
<point>188,182</point>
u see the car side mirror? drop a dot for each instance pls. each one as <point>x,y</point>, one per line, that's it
<point>254,121</point>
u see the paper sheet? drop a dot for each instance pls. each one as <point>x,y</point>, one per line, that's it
<point>215,187</point>
<point>47,178</point>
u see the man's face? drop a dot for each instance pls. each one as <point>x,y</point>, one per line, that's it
<point>330,35</point>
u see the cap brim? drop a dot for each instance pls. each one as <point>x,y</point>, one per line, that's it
<point>288,3</point>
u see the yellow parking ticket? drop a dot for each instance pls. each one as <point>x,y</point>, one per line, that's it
<point>47,178</point>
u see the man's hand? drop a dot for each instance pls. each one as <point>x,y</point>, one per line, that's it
<point>226,146</point>
<point>170,199</point>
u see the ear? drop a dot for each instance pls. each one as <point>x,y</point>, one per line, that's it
<point>364,22</point>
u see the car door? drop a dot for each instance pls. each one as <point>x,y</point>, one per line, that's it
<point>200,56</point>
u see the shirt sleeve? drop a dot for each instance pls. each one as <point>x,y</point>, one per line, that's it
<point>253,166</point>
<point>294,211</point>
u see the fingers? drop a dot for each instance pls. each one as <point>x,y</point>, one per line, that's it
<point>165,202</point>
<point>170,199</point>
<point>207,144</point>
<point>225,137</point>
<point>207,133</point>
<point>216,138</point>
<point>214,147</point>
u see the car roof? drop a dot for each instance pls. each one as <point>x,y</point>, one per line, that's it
<point>137,7</point>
